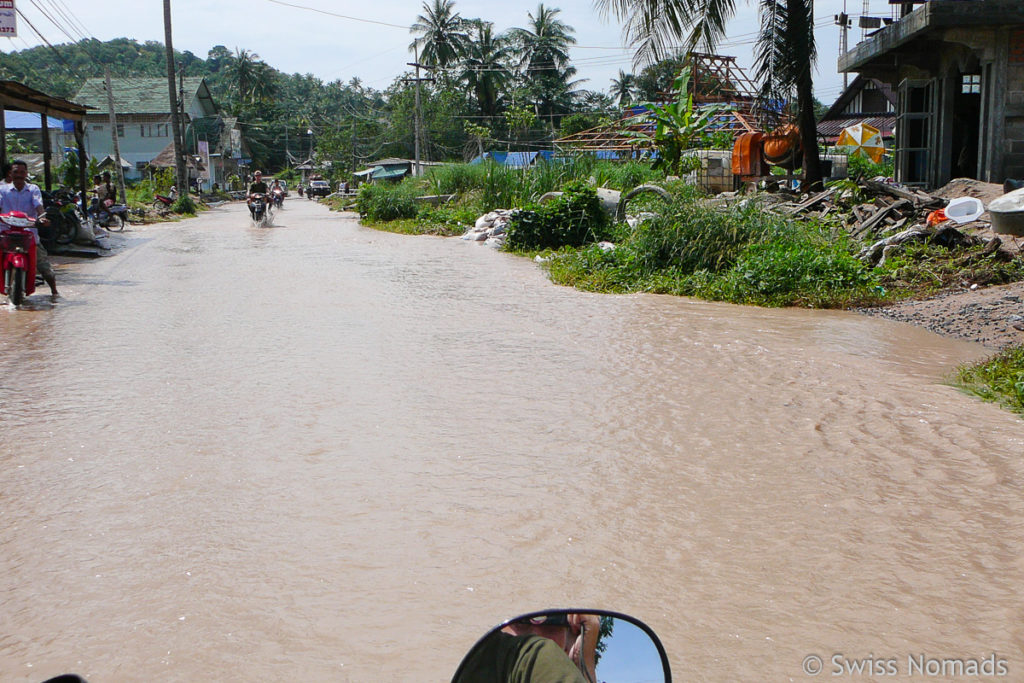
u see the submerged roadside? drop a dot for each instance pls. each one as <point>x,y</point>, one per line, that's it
<point>959,281</point>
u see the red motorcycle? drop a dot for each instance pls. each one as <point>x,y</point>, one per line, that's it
<point>17,256</point>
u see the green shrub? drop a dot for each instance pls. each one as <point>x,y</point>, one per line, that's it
<point>691,237</point>
<point>386,201</point>
<point>572,219</point>
<point>796,269</point>
<point>999,379</point>
<point>859,166</point>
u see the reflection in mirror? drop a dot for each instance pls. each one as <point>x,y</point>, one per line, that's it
<point>570,646</point>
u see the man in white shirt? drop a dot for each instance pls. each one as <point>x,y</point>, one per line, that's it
<point>23,196</point>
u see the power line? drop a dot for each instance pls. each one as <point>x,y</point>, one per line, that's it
<point>52,48</point>
<point>334,14</point>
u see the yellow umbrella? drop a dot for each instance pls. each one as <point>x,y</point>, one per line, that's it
<point>860,138</point>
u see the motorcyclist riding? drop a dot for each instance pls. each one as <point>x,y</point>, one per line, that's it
<point>257,187</point>
<point>277,193</point>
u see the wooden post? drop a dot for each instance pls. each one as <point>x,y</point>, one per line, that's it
<point>3,133</point>
<point>113,134</point>
<point>47,151</point>
<point>82,165</point>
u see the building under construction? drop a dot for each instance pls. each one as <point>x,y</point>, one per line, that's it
<point>715,79</point>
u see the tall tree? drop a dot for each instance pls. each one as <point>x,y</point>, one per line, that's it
<point>485,66</point>
<point>623,88</point>
<point>544,43</point>
<point>544,61</point>
<point>442,37</point>
<point>786,48</point>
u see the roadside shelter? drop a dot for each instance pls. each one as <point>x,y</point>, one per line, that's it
<point>19,97</point>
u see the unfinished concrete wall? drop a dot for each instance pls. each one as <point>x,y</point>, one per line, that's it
<point>1013,127</point>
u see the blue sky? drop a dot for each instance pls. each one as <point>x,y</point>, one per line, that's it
<point>372,42</point>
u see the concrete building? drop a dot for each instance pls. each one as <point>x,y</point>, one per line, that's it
<point>957,67</point>
<point>143,118</point>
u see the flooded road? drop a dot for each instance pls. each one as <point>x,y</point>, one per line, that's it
<point>320,452</point>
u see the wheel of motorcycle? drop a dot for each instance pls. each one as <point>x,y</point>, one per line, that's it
<point>16,286</point>
<point>115,223</point>
<point>66,229</point>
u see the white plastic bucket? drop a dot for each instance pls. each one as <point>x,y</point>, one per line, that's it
<point>964,209</point>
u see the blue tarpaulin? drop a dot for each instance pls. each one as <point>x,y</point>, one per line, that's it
<point>26,120</point>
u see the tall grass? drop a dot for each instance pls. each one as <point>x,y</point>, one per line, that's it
<point>493,186</point>
<point>738,254</point>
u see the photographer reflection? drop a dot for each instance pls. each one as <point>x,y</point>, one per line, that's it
<point>553,648</point>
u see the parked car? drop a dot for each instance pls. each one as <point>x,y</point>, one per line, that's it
<point>318,188</point>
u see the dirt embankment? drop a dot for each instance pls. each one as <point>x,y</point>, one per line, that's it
<point>993,316</point>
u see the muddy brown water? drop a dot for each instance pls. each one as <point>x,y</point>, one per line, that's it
<point>321,452</point>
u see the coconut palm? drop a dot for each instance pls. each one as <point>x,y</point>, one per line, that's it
<point>786,48</point>
<point>544,44</point>
<point>544,59</point>
<point>623,88</point>
<point>442,36</point>
<point>485,65</point>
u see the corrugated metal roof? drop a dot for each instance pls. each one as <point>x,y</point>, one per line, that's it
<point>831,129</point>
<point>135,96</point>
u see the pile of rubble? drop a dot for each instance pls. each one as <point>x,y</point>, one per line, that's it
<point>890,215</point>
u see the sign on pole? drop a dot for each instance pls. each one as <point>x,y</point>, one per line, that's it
<point>204,153</point>
<point>8,19</point>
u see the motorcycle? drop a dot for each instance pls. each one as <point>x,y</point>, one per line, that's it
<point>162,203</point>
<point>17,257</point>
<point>113,217</point>
<point>579,645</point>
<point>278,197</point>
<point>260,210</point>
<point>62,209</point>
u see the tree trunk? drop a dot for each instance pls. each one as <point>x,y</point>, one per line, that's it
<point>179,160</point>
<point>809,135</point>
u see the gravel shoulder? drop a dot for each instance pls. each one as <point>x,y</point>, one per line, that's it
<point>992,316</point>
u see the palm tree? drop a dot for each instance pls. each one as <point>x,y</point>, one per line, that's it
<point>485,66</point>
<point>544,59</point>
<point>442,36</point>
<point>623,88</point>
<point>786,48</point>
<point>544,43</point>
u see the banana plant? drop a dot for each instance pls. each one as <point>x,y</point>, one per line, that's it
<point>677,127</point>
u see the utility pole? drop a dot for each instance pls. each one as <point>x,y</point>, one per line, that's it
<point>417,171</point>
<point>179,159</point>
<point>844,22</point>
<point>181,118</point>
<point>113,135</point>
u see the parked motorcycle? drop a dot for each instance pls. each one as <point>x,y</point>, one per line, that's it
<point>17,257</point>
<point>579,645</point>
<point>62,209</point>
<point>162,203</point>
<point>113,217</point>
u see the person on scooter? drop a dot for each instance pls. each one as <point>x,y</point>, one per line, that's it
<point>25,197</point>
<point>256,187</point>
<point>277,193</point>
<point>110,197</point>
<point>543,650</point>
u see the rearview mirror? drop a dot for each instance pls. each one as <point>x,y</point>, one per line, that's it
<point>567,646</point>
